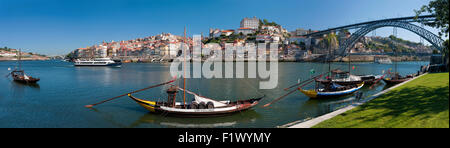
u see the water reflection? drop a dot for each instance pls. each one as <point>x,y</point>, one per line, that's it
<point>35,86</point>
<point>213,122</point>
<point>316,107</point>
<point>19,89</point>
<point>94,84</point>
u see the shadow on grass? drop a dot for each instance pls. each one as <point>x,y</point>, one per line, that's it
<point>408,102</point>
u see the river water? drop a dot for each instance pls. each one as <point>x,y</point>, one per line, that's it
<point>58,100</point>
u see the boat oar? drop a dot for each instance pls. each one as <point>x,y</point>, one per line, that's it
<point>165,83</point>
<point>279,98</point>
<point>9,69</point>
<point>384,74</point>
<point>377,81</point>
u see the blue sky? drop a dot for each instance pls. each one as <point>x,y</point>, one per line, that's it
<point>59,26</point>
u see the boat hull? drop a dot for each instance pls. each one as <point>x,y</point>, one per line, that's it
<point>98,65</point>
<point>179,111</point>
<point>18,76</point>
<point>315,94</point>
<point>368,80</point>
<point>395,81</point>
<point>27,81</point>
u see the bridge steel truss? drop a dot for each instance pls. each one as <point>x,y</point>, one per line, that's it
<point>349,43</point>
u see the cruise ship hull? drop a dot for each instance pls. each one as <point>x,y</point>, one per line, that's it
<point>100,65</point>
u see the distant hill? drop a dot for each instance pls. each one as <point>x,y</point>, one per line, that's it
<point>389,44</point>
<point>7,54</point>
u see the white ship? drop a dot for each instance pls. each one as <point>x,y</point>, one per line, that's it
<point>98,62</point>
<point>383,61</point>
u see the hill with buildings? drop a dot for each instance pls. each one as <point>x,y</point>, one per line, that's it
<point>7,54</point>
<point>390,44</point>
<point>293,45</point>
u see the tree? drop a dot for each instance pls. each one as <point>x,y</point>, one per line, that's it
<point>438,8</point>
<point>302,45</point>
<point>265,22</point>
<point>332,41</point>
<point>435,51</point>
<point>446,57</point>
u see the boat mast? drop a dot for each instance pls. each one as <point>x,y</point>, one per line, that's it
<point>394,32</point>
<point>395,68</point>
<point>184,70</point>
<point>329,62</point>
<point>349,61</point>
<point>20,59</point>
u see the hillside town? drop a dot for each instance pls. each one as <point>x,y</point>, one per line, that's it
<point>8,54</point>
<point>293,45</point>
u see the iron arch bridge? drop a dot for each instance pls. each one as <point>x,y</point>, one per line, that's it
<point>345,46</point>
<point>366,27</point>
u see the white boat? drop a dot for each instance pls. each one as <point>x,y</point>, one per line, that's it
<point>383,61</point>
<point>97,62</point>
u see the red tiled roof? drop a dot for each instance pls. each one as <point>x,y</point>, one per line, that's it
<point>227,30</point>
<point>244,28</point>
<point>298,37</point>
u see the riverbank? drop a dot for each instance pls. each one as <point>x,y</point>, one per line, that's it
<point>316,58</point>
<point>422,102</point>
<point>37,58</point>
<point>371,58</point>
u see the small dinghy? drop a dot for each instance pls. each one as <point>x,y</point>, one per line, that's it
<point>396,79</point>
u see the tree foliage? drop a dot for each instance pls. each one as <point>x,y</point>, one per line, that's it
<point>439,8</point>
<point>332,41</point>
<point>266,22</point>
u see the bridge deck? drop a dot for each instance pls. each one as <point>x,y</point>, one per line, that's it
<point>359,25</point>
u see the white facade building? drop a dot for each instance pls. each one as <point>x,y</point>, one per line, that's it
<point>8,54</point>
<point>250,23</point>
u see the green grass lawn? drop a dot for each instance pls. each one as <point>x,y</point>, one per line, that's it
<point>421,103</point>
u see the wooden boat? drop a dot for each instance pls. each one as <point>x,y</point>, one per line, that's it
<point>331,91</point>
<point>200,107</point>
<point>396,79</point>
<point>345,78</point>
<point>20,76</point>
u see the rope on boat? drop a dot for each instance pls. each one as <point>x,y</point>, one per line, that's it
<point>254,88</point>
<point>315,77</point>
<point>306,82</point>
<point>279,98</point>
